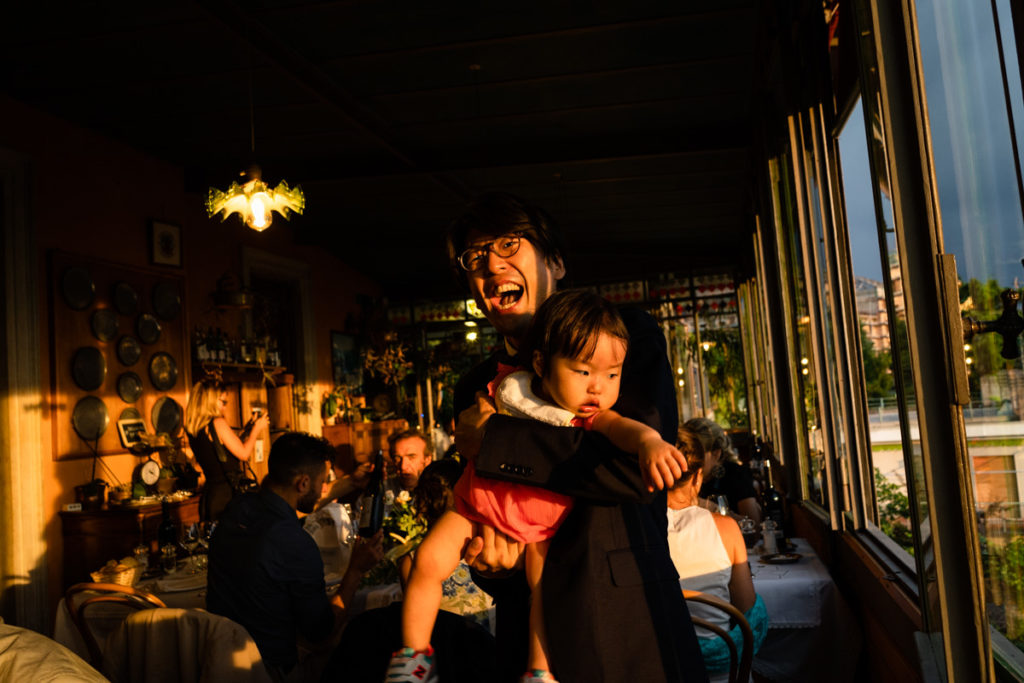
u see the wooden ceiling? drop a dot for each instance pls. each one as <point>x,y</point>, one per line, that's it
<point>630,121</point>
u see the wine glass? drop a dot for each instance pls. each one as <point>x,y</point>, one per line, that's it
<point>190,540</point>
<point>723,505</point>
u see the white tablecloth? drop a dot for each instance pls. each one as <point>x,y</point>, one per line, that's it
<point>793,594</point>
<point>813,636</point>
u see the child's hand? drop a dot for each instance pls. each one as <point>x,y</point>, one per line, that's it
<point>660,462</point>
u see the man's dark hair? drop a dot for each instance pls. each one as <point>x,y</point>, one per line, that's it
<point>568,323</point>
<point>498,213</point>
<point>428,448</point>
<point>297,453</point>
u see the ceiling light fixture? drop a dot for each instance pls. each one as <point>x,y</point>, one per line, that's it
<point>254,200</point>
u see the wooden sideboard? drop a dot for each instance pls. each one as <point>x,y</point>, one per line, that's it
<point>93,537</point>
<point>357,441</point>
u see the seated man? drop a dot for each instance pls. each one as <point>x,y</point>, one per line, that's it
<point>265,571</point>
<point>411,452</point>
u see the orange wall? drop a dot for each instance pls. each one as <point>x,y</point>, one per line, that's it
<point>93,196</point>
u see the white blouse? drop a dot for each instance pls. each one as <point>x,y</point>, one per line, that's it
<point>701,559</point>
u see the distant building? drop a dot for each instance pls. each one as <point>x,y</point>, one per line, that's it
<point>872,312</point>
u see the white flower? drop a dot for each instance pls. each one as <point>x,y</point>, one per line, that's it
<point>389,497</point>
<point>403,497</point>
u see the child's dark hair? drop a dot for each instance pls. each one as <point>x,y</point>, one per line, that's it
<point>568,324</point>
<point>433,494</point>
<point>690,446</point>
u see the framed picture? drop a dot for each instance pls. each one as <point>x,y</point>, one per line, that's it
<point>345,365</point>
<point>165,244</point>
<point>130,431</point>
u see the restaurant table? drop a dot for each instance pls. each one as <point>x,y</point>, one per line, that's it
<point>812,634</point>
<point>180,589</point>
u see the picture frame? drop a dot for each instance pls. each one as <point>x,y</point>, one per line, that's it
<point>346,369</point>
<point>130,431</point>
<point>165,244</point>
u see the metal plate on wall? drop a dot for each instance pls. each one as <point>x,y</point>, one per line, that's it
<point>78,288</point>
<point>88,368</point>
<point>129,387</point>
<point>163,371</point>
<point>90,418</point>
<point>130,414</point>
<point>104,324</point>
<point>148,329</point>
<point>126,299</point>
<point>166,415</point>
<point>166,300</point>
<point>128,350</point>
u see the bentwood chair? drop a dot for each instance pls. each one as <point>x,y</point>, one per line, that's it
<point>86,595</point>
<point>739,665</point>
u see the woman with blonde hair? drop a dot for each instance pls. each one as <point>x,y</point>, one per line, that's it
<point>216,447</point>
<point>724,474</point>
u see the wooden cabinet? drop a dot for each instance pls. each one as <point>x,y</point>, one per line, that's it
<point>92,538</point>
<point>358,441</point>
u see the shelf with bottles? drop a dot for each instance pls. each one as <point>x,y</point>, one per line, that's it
<point>214,346</point>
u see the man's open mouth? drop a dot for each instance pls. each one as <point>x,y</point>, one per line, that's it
<point>507,295</point>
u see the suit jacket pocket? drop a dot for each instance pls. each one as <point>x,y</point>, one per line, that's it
<point>635,566</point>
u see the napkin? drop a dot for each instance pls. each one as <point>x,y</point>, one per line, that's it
<point>177,584</point>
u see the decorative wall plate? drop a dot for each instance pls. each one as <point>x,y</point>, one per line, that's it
<point>129,387</point>
<point>166,300</point>
<point>166,415</point>
<point>126,299</point>
<point>163,371</point>
<point>104,324</point>
<point>78,288</point>
<point>130,414</point>
<point>148,329</point>
<point>90,418</point>
<point>128,350</point>
<point>88,368</point>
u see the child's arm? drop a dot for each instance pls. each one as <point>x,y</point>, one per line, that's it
<point>660,462</point>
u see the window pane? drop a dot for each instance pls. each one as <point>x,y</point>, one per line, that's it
<point>977,180</point>
<point>883,409</point>
<point>798,322</point>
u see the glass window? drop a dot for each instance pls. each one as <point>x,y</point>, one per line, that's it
<point>810,455</point>
<point>877,319</point>
<point>973,92</point>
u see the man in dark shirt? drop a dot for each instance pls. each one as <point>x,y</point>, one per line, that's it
<point>265,570</point>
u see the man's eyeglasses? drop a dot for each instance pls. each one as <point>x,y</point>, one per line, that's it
<point>474,258</point>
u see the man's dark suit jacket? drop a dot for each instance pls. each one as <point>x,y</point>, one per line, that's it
<point>613,607</point>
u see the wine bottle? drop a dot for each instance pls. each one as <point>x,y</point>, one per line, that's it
<point>371,509</point>
<point>772,503</point>
<point>167,532</point>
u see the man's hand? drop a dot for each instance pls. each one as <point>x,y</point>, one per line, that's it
<point>367,552</point>
<point>493,553</point>
<point>661,463</point>
<point>361,476</point>
<point>469,432</point>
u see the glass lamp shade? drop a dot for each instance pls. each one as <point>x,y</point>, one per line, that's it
<point>255,202</point>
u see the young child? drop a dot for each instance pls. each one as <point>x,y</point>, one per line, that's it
<point>576,348</point>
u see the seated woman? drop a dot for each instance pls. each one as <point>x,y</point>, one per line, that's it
<point>463,644</point>
<point>724,474</point>
<point>710,556</point>
<point>432,497</point>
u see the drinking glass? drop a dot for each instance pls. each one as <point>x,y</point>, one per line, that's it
<point>723,505</point>
<point>190,539</point>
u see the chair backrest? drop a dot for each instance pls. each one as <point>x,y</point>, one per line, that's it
<point>83,595</point>
<point>172,644</point>
<point>739,665</point>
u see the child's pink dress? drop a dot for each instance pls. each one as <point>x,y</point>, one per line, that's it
<point>525,513</point>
